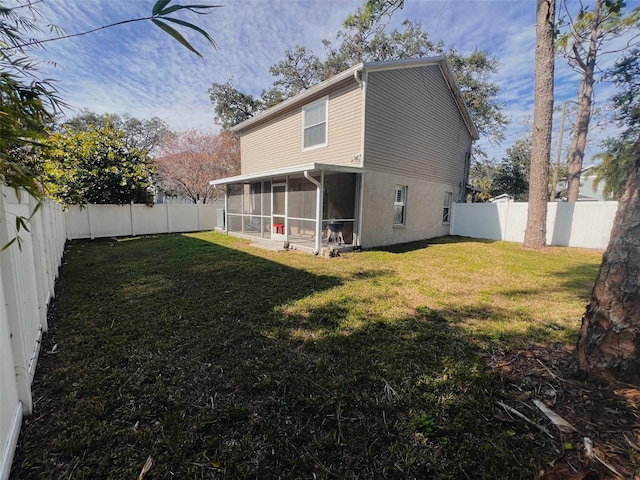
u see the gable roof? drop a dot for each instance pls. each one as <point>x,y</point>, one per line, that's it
<point>367,67</point>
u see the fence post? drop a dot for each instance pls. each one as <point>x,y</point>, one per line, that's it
<point>506,222</point>
<point>131,218</point>
<point>39,260</point>
<point>168,219</point>
<point>89,220</point>
<point>452,217</point>
<point>16,314</point>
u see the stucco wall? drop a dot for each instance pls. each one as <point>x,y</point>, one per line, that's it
<point>425,200</point>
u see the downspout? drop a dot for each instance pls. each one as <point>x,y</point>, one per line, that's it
<point>318,210</point>
<point>363,85</point>
<point>355,75</point>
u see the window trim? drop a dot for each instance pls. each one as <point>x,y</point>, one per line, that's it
<point>405,194</point>
<point>446,208</point>
<point>324,100</point>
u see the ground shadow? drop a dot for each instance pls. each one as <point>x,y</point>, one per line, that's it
<point>578,279</point>
<point>421,244</point>
<point>218,363</point>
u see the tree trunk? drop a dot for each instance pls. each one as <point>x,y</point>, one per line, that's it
<point>585,97</point>
<point>535,235</point>
<point>579,141</point>
<point>609,342</point>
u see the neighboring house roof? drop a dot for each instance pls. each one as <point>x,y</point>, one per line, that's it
<point>587,191</point>
<point>503,197</point>
<point>366,68</point>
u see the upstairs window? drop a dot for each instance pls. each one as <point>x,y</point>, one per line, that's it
<point>314,124</point>
<point>446,209</point>
<point>400,205</point>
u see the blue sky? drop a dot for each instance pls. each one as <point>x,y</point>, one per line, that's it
<point>138,69</point>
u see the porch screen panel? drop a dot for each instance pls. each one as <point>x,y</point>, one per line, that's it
<point>255,199</point>
<point>302,199</point>
<point>302,229</point>
<point>340,196</point>
<point>246,198</point>
<point>234,223</point>
<point>266,198</point>
<point>234,195</point>
<point>279,200</point>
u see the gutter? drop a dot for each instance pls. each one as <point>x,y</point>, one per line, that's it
<point>318,208</point>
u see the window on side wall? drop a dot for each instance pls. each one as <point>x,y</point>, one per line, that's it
<point>314,124</point>
<point>446,209</point>
<point>400,206</point>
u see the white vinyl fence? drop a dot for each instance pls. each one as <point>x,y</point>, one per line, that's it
<point>580,224</point>
<point>96,221</point>
<point>27,276</point>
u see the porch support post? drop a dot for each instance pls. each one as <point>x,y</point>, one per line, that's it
<point>226,209</point>
<point>360,207</point>
<point>318,208</point>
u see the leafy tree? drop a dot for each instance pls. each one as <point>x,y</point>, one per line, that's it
<point>535,235</point>
<point>27,102</point>
<point>365,38</point>
<point>512,175</point>
<point>584,40</point>
<point>613,170</point>
<point>159,17</point>
<point>298,71</point>
<point>96,166</point>
<point>616,158</point>
<point>481,175</point>
<point>190,159</point>
<point>626,75</point>
<point>231,105</point>
<point>481,95</point>
<point>608,344</point>
<point>143,134</point>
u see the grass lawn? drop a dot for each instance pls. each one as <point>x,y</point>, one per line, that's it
<point>220,360</point>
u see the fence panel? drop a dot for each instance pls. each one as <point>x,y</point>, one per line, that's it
<point>97,221</point>
<point>10,405</point>
<point>110,220</point>
<point>77,222</point>
<point>184,218</point>
<point>581,224</point>
<point>27,276</point>
<point>149,220</point>
<point>586,224</point>
<point>207,215</point>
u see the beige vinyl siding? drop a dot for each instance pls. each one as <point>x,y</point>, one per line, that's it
<point>277,143</point>
<point>413,126</point>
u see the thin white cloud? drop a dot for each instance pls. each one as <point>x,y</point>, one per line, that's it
<point>136,68</point>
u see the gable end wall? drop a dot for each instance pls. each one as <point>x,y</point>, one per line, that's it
<point>413,126</point>
<point>277,143</point>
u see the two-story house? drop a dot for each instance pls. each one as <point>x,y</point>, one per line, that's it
<point>373,156</point>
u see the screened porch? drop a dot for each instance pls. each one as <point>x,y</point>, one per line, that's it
<point>285,208</point>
